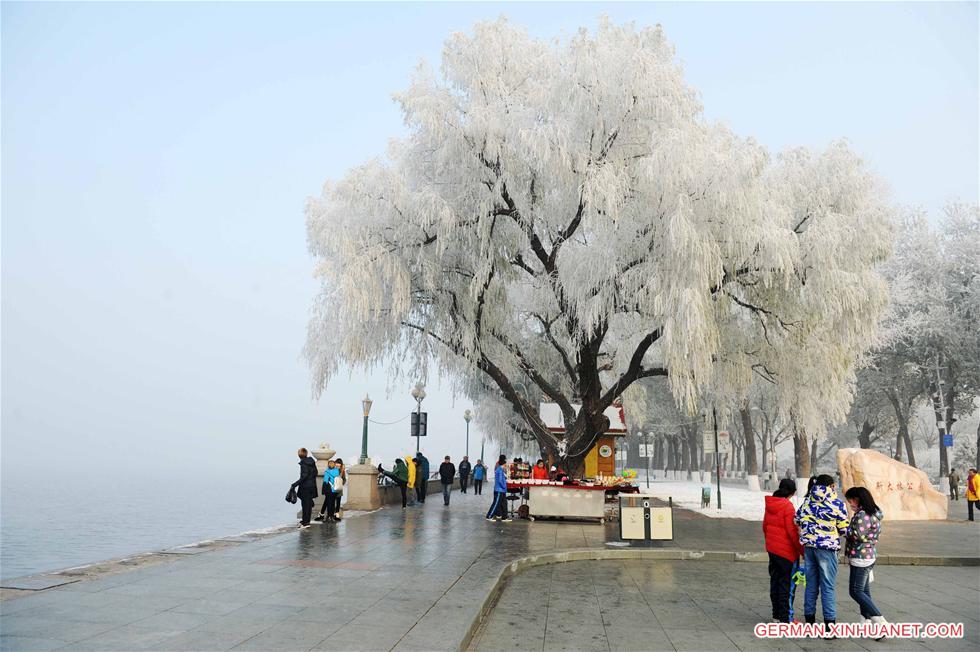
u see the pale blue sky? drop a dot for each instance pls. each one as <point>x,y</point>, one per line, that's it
<point>157,157</point>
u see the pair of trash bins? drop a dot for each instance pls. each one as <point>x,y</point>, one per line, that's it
<point>640,519</point>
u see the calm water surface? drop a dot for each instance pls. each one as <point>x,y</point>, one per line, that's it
<point>66,517</point>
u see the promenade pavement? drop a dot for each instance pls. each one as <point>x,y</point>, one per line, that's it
<point>606,606</point>
<point>413,579</point>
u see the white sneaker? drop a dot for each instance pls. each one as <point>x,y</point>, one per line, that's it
<point>881,622</point>
<point>507,520</point>
<point>303,527</point>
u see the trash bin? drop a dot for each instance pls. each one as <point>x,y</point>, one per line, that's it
<point>641,520</point>
<point>706,496</point>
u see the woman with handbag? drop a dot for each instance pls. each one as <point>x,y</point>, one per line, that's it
<point>327,509</point>
<point>338,488</point>
<point>306,485</point>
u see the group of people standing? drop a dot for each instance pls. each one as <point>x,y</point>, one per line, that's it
<point>807,540</point>
<point>332,488</point>
<point>412,473</point>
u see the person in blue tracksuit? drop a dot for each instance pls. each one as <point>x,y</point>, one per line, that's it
<point>498,509</point>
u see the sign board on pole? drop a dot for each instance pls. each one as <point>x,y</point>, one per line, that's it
<point>708,441</point>
<point>724,442</point>
<point>420,423</point>
<point>948,440</point>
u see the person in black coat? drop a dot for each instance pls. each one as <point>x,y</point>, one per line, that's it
<point>464,473</point>
<point>306,485</point>
<point>421,472</point>
<point>447,471</point>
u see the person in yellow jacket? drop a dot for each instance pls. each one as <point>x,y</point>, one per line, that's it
<point>411,479</point>
<point>972,490</point>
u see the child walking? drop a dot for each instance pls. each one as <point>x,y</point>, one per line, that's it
<point>860,544</point>
<point>783,546</point>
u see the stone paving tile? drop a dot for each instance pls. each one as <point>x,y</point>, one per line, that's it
<point>361,638</point>
<point>203,641</point>
<point>289,637</point>
<point>128,637</point>
<point>696,640</point>
<point>210,606</point>
<point>63,630</point>
<point>114,614</point>
<point>16,643</point>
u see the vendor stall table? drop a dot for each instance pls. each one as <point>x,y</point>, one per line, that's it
<point>567,500</point>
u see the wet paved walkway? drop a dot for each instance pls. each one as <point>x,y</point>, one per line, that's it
<point>405,580</point>
<point>677,605</point>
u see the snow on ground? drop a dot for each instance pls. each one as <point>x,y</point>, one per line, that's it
<point>736,501</point>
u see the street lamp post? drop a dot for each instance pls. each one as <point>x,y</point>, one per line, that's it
<point>714,419</point>
<point>418,393</point>
<point>646,440</point>
<point>466,417</point>
<point>366,405</point>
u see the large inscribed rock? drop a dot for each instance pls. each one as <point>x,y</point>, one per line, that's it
<point>903,493</point>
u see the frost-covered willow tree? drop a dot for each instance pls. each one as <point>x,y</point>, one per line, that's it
<point>930,347</point>
<point>562,214</point>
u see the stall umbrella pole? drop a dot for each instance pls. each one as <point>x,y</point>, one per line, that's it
<point>714,418</point>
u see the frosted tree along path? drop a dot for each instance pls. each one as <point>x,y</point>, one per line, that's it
<point>929,332</point>
<point>562,216</point>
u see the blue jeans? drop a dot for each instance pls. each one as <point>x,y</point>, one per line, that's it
<point>446,488</point>
<point>859,589</point>
<point>821,577</point>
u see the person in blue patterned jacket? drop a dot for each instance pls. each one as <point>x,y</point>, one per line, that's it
<point>822,520</point>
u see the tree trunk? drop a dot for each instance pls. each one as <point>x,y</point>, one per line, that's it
<point>801,454</point>
<point>909,451</point>
<point>692,446</point>
<point>978,446</point>
<point>864,436</point>
<point>633,450</point>
<point>751,465</point>
<point>902,416</point>
<point>813,455</point>
<point>685,457</point>
<point>899,442</point>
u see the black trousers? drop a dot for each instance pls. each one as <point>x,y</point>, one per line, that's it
<point>463,481</point>
<point>307,504</point>
<point>954,492</point>
<point>780,576</point>
<point>498,508</point>
<point>969,507</point>
<point>328,502</point>
<point>478,487</point>
<point>421,491</point>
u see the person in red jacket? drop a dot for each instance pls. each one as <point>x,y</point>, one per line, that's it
<point>783,546</point>
<point>540,471</point>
